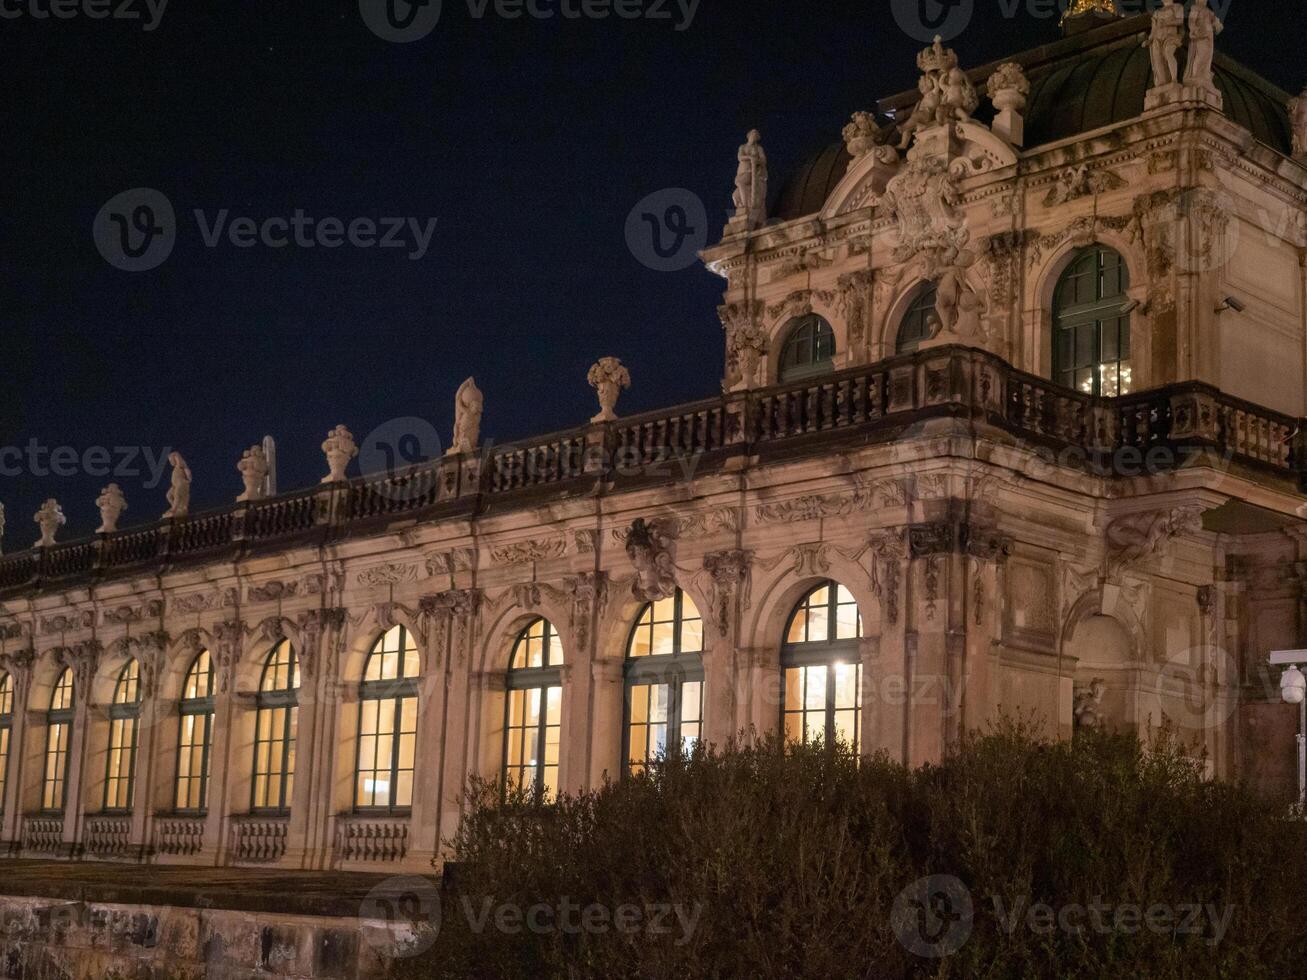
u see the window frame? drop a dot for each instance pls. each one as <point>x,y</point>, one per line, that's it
<point>395,689</point>
<point>1094,314</point>
<point>190,708</point>
<point>7,695</point>
<point>270,700</point>
<point>543,679</point>
<point>816,367</point>
<point>61,718</point>
<point>674,670</point>
<point>925,290</point>
<point>124,711</point>
<point>824,653</point>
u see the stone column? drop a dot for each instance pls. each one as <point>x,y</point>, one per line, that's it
<point>462,613</point>
<point>931,646</point>
<point>224,797</point>
<point>19,665</point>
<point>433,702</point>
<point>726,696</point>
<point>321,632</point>
<point>606,710</point>
<point>884,658</point>
<point>589,595</point>
<point>149,768</point>
<point>84,659</point>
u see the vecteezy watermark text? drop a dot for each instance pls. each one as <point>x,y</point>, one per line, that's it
<point>149,11</point>
<point>35,459</point>
<point>405,21</point>
<point>574,918</point>
<point>137,230</point>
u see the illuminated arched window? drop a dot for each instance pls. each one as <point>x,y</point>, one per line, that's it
<point>920,321</point>
<point>664,680</point>
<point>196,735</point>
<point>1091,333</point>
<point>823,668</point>
<point>124,717</point>
<point>58,732</point>
<point>809,349</point>
<point>6,727</point>
<point>388,723</point>
<point>534,723</point>
<point>275,724</point>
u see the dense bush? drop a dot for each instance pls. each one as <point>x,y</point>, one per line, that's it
<point>789,864</point>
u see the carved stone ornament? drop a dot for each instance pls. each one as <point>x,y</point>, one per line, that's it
<point>388,574</point>
<point>746,343</point>
<point>731,576</point>
<point>1134,538</point>
<point>468,406</point>
<point>253,468</point>
<point>1088,709</point>
<point>339,447</point>
<point>860,134</point>
<point>1298,117</point>
<point>887,554</point>
<point>608,377</point>
<point>179,490</point>
<point>1077,182</point>
<point>524,552</point>
<point>112,504</point>
<point>947,95</point>
<point>651,546</point>
<point>50,518</point>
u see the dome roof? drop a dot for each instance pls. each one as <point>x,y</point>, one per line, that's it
<point>1078,84</point>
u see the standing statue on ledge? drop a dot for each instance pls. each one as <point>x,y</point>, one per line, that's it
<point>1203,28</point>
<point>112,503</point>
<point>1088,708</point>
<point>253,468</point>
<point>468,405</point>
<point>1298,118</point>
<point>608,377</point>
<point>50,518</point>
<point>1164,43</point>
<point>751,181</point>
<point>179,493</point>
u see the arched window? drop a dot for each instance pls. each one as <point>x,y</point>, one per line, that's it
<point>6,726</point>
<point>274,730</point>
<point>823,668</point>
<point>809,348</point>
<point>124,714</point>
<point>534,723</point>
<point>58,731</point>
<point>196,735</point>
<point>920,321</point>
<point>388,723</point>
<point>1091,333</point>
<point>664,680</point>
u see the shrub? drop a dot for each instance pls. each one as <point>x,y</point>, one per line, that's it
<point>794,862</point>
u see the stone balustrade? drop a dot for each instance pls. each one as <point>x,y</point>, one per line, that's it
<point>179,836</point>
<point>108,836</point>
<point>943,382</point>
<point>258,839</point>
<point>372,839</point>
<point>42,834</point>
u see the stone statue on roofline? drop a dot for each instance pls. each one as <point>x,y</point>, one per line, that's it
<point>608,377</point>
<point>1204,25</point>
<point>1298,118</point>
<point>179,491</point>
<point>750,197</point>
<point>253,468</point>
<point>1164,43</point>
<point>947,95</point>
<point>50,518</point>
<point>468,404</point>
<point>339,447</point>
<point>112,504</point>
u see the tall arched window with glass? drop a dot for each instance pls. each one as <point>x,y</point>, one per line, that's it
<point>664,681</point>
<point>124,718</point>
<point>1091,328</point>
<point>809,349</point>
<point>388,724</point>
<point>533,723</point>
<point>196,736</point>
<point>58,733</point>
<point>275,723</point>
<point>920,320</point>
<point>821,696</point>
<point>6,728</point>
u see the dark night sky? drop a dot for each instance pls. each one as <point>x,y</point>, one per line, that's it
<point>529,141</point>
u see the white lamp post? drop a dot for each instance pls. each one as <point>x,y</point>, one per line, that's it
<point>1293,689</point>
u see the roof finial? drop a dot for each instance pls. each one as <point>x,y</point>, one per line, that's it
<point>1096,9</point>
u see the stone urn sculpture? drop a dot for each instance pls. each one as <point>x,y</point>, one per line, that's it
<point>49,519</point>
<point>253,469</point>
<point>112,503</point>
<point>608,377</point>
<point>339,448</point>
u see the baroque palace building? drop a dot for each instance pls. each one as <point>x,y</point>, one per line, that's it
<point>1011,423</point>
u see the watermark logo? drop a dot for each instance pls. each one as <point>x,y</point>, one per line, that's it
<point>394,451</point>
<point>408,911</point>
<point>666,230</point>
<point>924,20</point>
<point>136,230</point>
<point>400,21</point>
<point>148,12</point>
<point>933,917</point>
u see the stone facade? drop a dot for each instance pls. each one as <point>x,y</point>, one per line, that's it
<point>1013,546</point>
